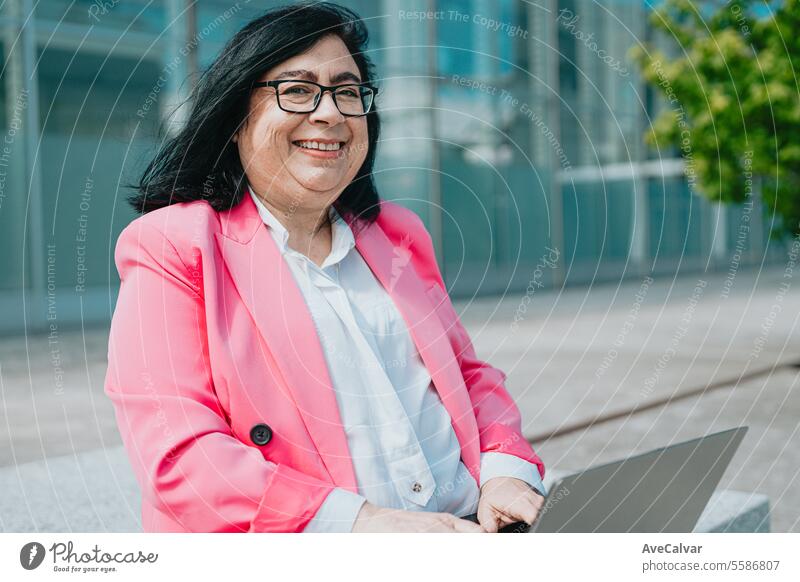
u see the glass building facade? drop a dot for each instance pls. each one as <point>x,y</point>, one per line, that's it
<point>513,128</point>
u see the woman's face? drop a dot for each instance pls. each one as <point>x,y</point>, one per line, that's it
<point>277,166</point>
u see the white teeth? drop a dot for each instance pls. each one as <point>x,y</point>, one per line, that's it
<point>315,145</point>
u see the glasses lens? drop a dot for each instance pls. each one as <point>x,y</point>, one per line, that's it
<point>354,100</point>
<point>298,96</point>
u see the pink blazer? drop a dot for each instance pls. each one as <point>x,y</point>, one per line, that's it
<point>219,382</point>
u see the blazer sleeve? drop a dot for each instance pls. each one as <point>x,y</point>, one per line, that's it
<point>188,462</point>
<point>498,417</point>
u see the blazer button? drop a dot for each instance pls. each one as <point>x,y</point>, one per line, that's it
<point>260,434</point>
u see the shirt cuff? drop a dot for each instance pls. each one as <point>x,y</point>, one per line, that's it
<point>505,465</point>
<point>338,512</point>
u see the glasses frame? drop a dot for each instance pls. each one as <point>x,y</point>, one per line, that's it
<point>323,88</point>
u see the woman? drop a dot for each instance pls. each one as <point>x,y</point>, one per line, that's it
<point>283,354</point>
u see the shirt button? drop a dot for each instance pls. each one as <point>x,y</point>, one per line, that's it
<point>416,487</point>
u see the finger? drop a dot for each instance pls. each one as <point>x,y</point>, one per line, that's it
<point>530,513</point>
<point>522,509</point>
<point>487,518</point>
<point>467,526</point>
<point>538,515</point>
<point>526,507</point>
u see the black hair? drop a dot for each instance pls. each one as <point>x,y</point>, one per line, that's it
<point>201,162</point>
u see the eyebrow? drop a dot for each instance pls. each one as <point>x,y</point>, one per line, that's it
<point>312,76</point>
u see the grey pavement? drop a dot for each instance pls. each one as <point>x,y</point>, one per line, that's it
<point>93,491</point>
<point>598,372</point>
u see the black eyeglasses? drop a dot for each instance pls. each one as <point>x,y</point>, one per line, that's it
<point>353,100</point>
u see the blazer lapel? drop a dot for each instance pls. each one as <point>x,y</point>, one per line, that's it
<point>409,293</point>
<point>268,289</point>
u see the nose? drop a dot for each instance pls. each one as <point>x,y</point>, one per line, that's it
<point>326,111</point>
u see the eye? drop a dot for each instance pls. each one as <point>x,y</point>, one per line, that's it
<point>296,90</point>
<point>350,93</point>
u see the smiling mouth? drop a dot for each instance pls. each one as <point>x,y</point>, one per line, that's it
<point>315,145</point>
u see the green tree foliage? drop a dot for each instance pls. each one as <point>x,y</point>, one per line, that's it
<point>733,99</point>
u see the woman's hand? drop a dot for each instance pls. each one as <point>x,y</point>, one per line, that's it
<point>505,500</point>
<point>372,519</point>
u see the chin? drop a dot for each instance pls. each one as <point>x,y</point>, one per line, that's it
<point>319,185</point>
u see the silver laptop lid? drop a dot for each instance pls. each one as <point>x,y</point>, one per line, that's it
<point>664,490</point>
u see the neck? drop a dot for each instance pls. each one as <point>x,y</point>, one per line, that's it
<point>296,220</point>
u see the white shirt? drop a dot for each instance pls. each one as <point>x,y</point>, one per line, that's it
<point>403,447</point>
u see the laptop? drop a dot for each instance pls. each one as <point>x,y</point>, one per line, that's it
<point>664,490</point>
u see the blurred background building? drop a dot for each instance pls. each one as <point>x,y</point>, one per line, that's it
<point>517,138</point>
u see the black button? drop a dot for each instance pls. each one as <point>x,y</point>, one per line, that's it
<point>260,434</point>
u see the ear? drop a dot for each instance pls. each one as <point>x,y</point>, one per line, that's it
<point>235,138</point>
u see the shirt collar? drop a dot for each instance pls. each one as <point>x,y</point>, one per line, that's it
<point>342,235</point>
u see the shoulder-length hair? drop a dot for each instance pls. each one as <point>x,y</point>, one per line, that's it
<point>201,162</point>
